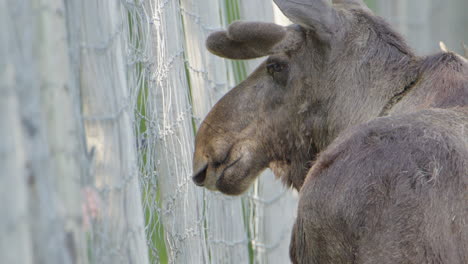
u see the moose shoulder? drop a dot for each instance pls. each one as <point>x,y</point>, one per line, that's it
<point>373,136</point>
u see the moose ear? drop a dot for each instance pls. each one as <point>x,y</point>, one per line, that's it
<point>248,40</point>
<point>221,45</point>
<point>316,15</point>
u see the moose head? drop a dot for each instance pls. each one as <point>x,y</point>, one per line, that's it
<point>337,66</point>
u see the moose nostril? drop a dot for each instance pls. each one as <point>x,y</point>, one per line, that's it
<point>200,176</point>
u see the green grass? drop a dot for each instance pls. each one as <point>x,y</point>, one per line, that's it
<point>154,225</point>
<point>152,220</point>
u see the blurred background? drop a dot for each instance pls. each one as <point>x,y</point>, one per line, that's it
<point>426,22</point>
<point>99,105</point>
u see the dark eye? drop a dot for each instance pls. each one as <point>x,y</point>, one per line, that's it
<point>275,67</point>
<point>278,70</point>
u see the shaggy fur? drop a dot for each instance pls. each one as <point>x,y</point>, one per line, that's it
<point>391,183</point>
<point>393,190</point>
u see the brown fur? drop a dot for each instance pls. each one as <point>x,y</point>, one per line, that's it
<point>392,186</point>
<point>393,190</point>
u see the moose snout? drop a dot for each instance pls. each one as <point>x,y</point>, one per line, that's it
<point>199,175</point>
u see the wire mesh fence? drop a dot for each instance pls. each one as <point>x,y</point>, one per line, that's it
<point>183,82</point>
<point>113,92</point>
<point>100,102</point>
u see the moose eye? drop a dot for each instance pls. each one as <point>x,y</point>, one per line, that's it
<point>275,67</point>
<point>278,69</point>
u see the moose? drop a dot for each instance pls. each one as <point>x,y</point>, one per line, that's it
<point>373,137</point>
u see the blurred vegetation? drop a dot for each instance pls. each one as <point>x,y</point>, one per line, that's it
<point>372,4</point>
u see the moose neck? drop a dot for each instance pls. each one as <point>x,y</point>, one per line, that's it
<point>359,101</point>
<point>355,101</point>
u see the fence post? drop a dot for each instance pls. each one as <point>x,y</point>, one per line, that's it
<point>117,224</point>
<point>65,134</point>
<point>15,242</point>
<point>226,234</point>
<point>44,150</point>
<point>169,138</point>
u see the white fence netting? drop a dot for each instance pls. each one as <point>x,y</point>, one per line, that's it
<point>102,99</point>
<point>184,81</point>
<point>99,105</point>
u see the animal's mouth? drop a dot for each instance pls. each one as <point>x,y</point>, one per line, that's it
<point>236,179</point>
<point>199,177</point>
<point>217,177</point>
<point>234,174</point>
<point>230,165</point>
<point>221,178</point>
